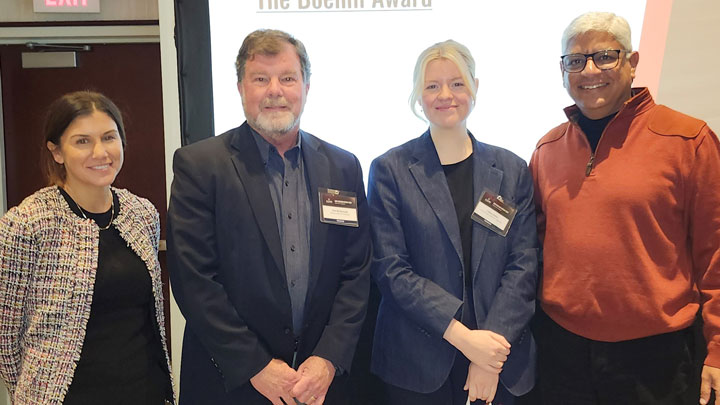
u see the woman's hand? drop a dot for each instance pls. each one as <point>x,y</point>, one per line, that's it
<point>485,348</point>
<point>481,384</point>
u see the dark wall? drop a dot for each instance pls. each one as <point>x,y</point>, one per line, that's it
<point>192,38</point>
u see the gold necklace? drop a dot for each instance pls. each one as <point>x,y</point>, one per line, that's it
<point>112,212</point>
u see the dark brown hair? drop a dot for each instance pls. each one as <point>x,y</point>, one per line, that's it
<point>61,114</point>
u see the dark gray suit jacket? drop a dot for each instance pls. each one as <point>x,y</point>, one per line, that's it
<point>418,266</point>
<point>227,271</point>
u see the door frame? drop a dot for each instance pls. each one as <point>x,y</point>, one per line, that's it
<point>3,187</point>
<point>106,34</point>
<point>80,34</point>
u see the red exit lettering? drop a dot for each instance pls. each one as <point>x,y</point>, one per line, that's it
<point>66,3</point>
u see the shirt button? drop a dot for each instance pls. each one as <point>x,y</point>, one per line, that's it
<point>290,215</point>
<point>287,183</point>
<point>286,331</point>
<point>292,283</point>
<point>460,274</point>
<point>292,248</point>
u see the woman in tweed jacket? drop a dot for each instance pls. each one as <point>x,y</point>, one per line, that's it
<point>81,307</point>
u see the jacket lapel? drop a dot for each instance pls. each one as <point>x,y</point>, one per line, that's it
<point>250,168</point>
<point>134,230</point>
<point>319,175</point>
<point>430,178</point>
<point>486,176</point>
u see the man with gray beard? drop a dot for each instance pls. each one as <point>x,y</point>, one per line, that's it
<point>268,246</point>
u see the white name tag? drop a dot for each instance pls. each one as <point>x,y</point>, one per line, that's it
<point>494,213</point>
<point>338,207</point>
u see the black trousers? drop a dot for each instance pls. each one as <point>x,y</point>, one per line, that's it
<point>654,370</point>
<point>450,393</point>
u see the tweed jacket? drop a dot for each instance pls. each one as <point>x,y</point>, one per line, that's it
<point>48,260</point>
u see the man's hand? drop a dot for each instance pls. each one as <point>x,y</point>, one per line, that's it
<point>275,381</point>
<point>481,384</point>
<point>315,374</point>
<point>485,348</point>
<point>710,380</point>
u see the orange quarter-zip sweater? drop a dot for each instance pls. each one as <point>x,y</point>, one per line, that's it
<point>631,234</point>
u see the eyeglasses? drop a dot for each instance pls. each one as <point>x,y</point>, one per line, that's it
<point>603,60</point>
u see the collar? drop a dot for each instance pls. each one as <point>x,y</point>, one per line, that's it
<point>126,204</point>
<point>641,101</point>
<point>110,214</point>
<point>424,150</point>
<point>266,147</point>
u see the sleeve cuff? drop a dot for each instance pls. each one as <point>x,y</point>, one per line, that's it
<point>713,356</point>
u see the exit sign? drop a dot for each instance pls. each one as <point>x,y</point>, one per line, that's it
<point>66,6</point>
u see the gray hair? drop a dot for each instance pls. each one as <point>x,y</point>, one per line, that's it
<point>270,43</point>
<point>452,51</point>
<point>598,21</point>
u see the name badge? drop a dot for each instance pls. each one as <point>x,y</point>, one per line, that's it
<point>494,213</point>
<point>338,207</point>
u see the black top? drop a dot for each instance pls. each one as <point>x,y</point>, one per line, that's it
<point>122,360</point>
<point>460,181</point>
<point>593,129</point>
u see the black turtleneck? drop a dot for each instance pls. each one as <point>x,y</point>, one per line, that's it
<point>593,129</point>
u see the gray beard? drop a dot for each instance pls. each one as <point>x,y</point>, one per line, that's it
<point>277,126</point>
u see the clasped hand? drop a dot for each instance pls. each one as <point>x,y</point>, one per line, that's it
<point>487,349</point>
<point>481,384</point>
<point>309,384</point>
<point>276,381</point>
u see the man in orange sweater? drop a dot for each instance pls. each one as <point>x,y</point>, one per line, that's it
<point>628,202</point>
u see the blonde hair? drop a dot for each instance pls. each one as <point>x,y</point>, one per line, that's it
<point>454,52</point>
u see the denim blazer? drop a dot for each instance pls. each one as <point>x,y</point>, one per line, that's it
<point>418,266</point>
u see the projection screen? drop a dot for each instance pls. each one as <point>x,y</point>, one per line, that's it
<point>363,53</point>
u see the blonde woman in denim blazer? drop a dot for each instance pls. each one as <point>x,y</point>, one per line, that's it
<point>456,296</point>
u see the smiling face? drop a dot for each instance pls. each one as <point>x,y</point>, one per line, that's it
<point>91,151</point>
<point>599,93</point>
<point>446,99</point>
<point>273,92</point>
